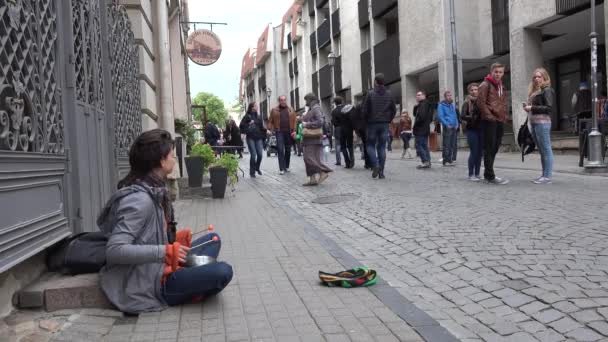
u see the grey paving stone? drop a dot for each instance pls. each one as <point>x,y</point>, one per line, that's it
<point>600,327</point>
<point>565,325</point>
<point>548,316</point>
<point>517,300</point>
<point>584,334</point>
<point>549,335</point>
<point>587,316</point>
<point>533,307</point>
<point>505,328</point>
<point>565,307</point>
<point>520,337</point>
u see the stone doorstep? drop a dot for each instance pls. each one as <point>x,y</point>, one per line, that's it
<point>188,193</point>
<point>54,291</point>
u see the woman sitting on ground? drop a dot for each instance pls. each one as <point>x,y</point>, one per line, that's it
<point>144,253</point>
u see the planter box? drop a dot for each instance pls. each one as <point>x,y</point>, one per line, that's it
<point>219,179</point>
<point>194,165</point>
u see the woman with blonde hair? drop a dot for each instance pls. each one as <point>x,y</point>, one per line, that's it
<point>539,108</point>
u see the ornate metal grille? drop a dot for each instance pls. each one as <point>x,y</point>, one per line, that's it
<point>124,61</point>
<point>87,52</point>
<point>30,107</point>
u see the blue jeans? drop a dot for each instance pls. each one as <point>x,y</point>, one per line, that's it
<point>377,134</point>
<point>450,144</point>
<point>542,136</point>
<point>256,149</point>
<point>186,284</point>
<point>475,143</point>
<point>422,148</point>
<point>283,149</point>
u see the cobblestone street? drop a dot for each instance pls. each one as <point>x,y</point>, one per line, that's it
<point>515,263</point>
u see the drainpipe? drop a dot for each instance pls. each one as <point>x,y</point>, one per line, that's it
<point>454,54</point>
<point>165,87</point>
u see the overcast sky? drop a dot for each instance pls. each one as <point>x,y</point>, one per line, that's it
<point>246,20</point>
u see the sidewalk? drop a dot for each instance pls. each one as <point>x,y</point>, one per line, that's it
<point>562,163</point>
<point>275,294</point>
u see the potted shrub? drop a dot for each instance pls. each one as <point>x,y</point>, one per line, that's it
<point>200,158</point>
<point>224,170</point>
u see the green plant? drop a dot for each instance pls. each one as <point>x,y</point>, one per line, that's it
<point>204,151</point>
<point>187,130</point>
<point>230,163</point>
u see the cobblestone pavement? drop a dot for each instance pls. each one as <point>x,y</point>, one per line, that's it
<point>519,262</point>
<point>275,294</point>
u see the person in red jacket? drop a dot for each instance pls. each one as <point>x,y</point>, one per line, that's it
<point>492,102</point>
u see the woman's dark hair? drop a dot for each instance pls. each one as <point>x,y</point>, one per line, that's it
<point>146,154</point>
<point>250,107</point>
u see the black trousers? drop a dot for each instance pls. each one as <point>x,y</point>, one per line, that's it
<point>491,135</point>
<point>362,133</point>
<point>346,144</point>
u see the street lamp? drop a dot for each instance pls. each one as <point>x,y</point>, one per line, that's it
<point>331,60</point>
<point>595,161</point>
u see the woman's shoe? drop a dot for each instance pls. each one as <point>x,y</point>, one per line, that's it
<point>322,177</point>
<point>311,181</point>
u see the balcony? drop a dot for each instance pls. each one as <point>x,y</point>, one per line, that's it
<point>338,75</point>
<point>323,34</point>
<point>386,58</point>
<point>568,7</point>
<point>335,23</point>
<point>366,70</point>
<point>311,8</point>
<point>380,7</point>
<point>325,81</point>
<point>363,14</point>
<point>313,43</point>
<point>315,83</point>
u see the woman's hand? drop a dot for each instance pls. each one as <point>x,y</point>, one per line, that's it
<point>528,108</point>
<point>183,253</point>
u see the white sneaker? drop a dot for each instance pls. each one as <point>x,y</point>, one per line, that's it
<point>281,172</point>
<point>498,181</point>
<point>474,179</point>
<point>543,180</point>
<point>287,170</point>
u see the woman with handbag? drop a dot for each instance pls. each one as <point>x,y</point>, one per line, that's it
<point>253,127</point>
<point>312,134</point>
<point>539,108</point>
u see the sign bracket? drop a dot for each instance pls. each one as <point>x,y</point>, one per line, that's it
<point>210,23</point>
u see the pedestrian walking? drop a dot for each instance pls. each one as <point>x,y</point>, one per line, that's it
<point>212,134</point>
<point>360,127</point>
<point>471,117</point>
<point>253,127</point>
<point>337,136</point>
<point>446,113</point>
<point>492,103</point>
<point>405,133</point>
<point>283,123</point>
<point>144,252</point>
<point>391,131</point>
<point>341,119</point>
<point>233,137</point>
<point>312,122</point>
<point>423,116</point>
<point>379,109</point>
<point>539,108</point>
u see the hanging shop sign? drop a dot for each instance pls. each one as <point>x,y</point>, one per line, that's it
<point>203,47</point>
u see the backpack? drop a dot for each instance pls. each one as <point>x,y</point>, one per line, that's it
<point>525,140</point>
<point>78,254</point>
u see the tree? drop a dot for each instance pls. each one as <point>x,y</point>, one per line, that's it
<point>216,110</point>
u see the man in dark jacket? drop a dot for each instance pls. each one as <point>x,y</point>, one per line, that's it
<point>423,114</point>
<point>379,109</point>
<point>342,121</point>
<point>492,102</point>
<point>212,134</point>
<point>360,127</point>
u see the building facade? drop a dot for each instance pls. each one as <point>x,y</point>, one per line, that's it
<point>432,45</point>
<point>80,79</point>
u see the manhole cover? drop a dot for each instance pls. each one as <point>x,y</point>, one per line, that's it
<point>335,199</point>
